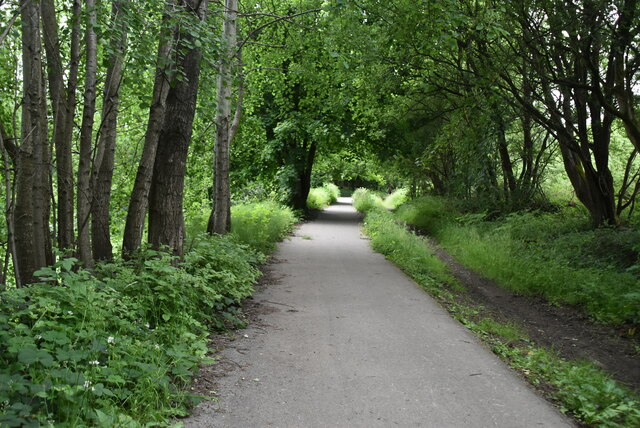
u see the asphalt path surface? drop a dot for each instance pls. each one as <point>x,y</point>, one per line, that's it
<point>345,339</point>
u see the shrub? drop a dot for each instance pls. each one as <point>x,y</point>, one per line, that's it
<point>319,198</point>
<point>118,346</point>
<point>262,224</point>
<point>333,191</point>
<point>395,199</point>
<point>365,200</point>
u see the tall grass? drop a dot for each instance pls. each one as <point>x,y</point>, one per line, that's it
<point>406,249</point>
<point>321,197</point>
<point>580,388</point>
<point>395,199</point>
<point>262,224</point>
<point>365,200</point>
<point>556,256</point>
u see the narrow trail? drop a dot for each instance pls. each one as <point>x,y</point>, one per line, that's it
<point>344,339</point>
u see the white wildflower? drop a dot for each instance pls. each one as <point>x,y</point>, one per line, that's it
<point>111,339</point>
<point>87,384</point>
<point>94,363</point>
<point>70,313</point>
<point>147,325</point>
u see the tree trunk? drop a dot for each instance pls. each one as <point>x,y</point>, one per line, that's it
<point>139,201</point>
<point>29,251</point>
<point>220,221</point>
<point>9,200</point>
<point>104,159</point>
<point>505,161</point>
<point>166,220</point>
<point>63,105</point>
<point>303,185</point>
<point>86,137</point>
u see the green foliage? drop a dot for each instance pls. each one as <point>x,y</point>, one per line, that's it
<point>585,391</point>
<point>319,198</point>
<point>555,255</point>
<point>406,249</point>
<point>365,200</point>
<point>333,190</point>
<point>262,224</point>
<point>118,346</point>
<point>395,199</point>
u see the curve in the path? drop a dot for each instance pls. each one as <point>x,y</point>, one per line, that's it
<point>347,340</point>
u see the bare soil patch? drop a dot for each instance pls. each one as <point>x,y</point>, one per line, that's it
<point>567,330</point>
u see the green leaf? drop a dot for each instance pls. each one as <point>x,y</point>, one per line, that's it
<point>28,355</point>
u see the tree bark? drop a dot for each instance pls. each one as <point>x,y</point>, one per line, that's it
<point>63,106</point>
<point>9,200</point>
<point>30,251</point>
<point>220,221</point>
<point>139,200</point>
<point>86,135</point>
<point>166,218</point>
<point>303,186</point>
<point>105,153</point>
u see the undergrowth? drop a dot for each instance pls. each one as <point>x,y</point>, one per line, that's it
<point>365,200</point>
<point>580,388</point>
<point>555,255</point>
<point>321,197</point>
<point>118,346</point>
<point>262,224</point>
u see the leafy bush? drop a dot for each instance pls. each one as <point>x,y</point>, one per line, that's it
<point>583,389</point>
<point>319,198</point>
<point>262,224</point>
<point>117,347</point>
<point>554,255</point>
<point>395,199</point>
<point>333,191</point>
<point>365,200</point>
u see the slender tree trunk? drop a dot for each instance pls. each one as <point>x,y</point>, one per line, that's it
<point>9,201</point>
<point>220,221</point>
<point>505,162</point>
<point>29,251</point>
<point>104,159</point>
<point>86,137</point>
<point>166,221</point>
<point>139,201</point>
<point>42,190</point>
<point>63,105</point>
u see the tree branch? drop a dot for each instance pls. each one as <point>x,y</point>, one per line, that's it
<point>11,22</point>
<point>279,19</point>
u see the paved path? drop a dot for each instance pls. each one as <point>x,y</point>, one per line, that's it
<point>347,340</point>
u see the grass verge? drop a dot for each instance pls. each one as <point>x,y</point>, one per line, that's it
<point>555,255</point>
<point>579,388</point>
